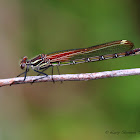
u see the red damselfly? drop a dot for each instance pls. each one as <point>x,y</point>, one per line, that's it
<point>114,49</point>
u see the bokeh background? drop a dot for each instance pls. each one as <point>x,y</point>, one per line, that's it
<point>78,110</point>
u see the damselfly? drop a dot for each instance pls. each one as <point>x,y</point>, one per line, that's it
<point>105,51</point>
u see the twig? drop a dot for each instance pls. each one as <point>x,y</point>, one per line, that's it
<point>71,77</point>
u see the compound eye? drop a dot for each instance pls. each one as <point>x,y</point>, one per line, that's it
<point>22,66</point>
<point>24,58</point>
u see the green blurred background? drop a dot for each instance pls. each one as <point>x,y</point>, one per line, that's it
<point>72,110</point>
